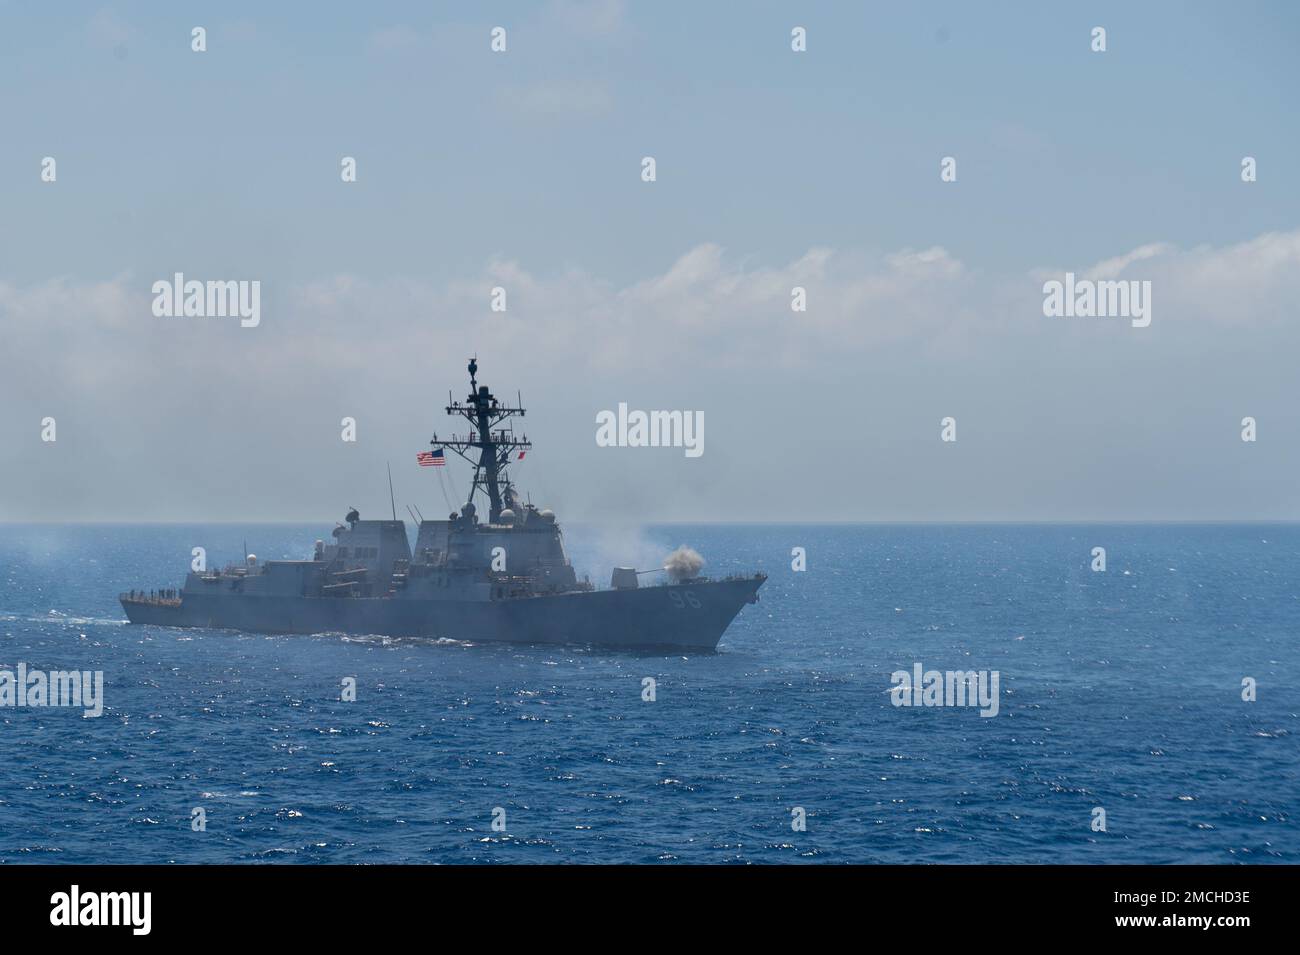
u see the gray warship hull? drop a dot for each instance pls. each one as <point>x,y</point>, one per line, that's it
<point>503,579</point>
<point>688,616</point>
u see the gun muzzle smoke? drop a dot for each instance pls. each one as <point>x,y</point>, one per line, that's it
<point>683,563</point>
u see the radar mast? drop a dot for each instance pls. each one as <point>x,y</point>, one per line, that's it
<point>488,444</point>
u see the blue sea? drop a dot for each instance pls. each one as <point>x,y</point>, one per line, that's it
<point>1119,690</point>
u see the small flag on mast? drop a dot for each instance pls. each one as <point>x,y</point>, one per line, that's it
<point>431,459</point>
<point>521,455</point>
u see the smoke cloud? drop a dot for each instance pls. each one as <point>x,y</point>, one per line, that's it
<point>683,563</point>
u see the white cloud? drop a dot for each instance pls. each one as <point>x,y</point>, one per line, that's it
<point>706,301</point>
<point>174,406</point>
<point>1113,268</point>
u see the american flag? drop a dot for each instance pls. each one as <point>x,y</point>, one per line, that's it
<point>431,459</point>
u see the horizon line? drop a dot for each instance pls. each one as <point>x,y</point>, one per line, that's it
<point>995,522</point>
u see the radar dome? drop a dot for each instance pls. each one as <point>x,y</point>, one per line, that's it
<point>252,560</point>
<point>507,516</point>
<point>547,515</point>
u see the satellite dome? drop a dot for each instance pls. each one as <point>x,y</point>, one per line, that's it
<point>507,516</point>
<point>252,560</point>
<point>547,515</point>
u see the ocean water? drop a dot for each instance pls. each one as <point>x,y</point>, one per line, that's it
<point>1120,690</point>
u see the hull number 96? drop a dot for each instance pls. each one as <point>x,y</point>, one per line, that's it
<point>683,599</point>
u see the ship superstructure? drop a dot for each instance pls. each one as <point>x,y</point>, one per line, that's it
<point>505,578</point>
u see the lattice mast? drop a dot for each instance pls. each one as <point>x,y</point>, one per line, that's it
<point>489,445</point>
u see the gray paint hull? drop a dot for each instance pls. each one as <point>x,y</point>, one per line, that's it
<point>688,616</point>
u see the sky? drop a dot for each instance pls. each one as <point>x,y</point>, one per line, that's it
<point>522,170</point>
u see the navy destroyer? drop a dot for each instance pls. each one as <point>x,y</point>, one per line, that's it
<point>506,578</point>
